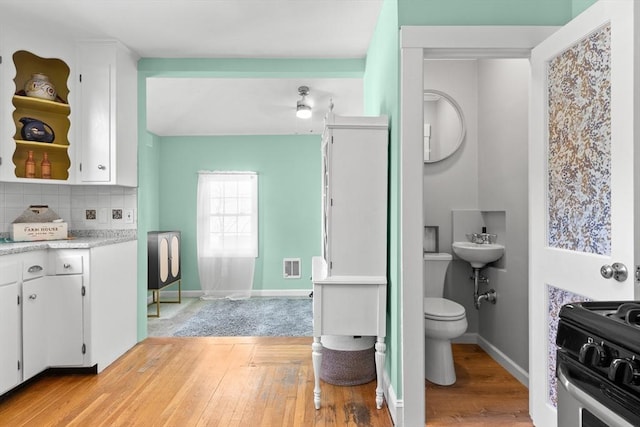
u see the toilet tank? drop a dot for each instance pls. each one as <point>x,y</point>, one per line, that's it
<point>435,270</point>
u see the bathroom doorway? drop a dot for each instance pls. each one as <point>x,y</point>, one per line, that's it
<point>484,46</point>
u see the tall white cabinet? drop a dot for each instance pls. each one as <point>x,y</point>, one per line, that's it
<point>354,192</point>
<point>350,278</point>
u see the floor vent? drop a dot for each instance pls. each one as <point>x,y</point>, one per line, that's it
<point>291,268</point>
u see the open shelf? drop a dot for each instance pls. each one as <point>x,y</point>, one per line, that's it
<point>54,113</point>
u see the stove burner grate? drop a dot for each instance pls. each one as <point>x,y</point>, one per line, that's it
<point>628,313</point>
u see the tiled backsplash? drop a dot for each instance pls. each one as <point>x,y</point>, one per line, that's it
<point>82,207</point>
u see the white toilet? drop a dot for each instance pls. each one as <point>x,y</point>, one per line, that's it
<point>443,320</point>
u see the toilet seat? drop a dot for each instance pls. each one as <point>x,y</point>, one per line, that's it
<point>443,309</point>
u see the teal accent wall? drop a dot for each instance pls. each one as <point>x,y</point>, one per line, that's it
<point>486,12</point>
<point>148,215</point>
<point>381,96</point>
<point>289,198</point>
<point>578,6</point>
<point>381,93</point>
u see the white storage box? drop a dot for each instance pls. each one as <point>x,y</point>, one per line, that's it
<point>38,223</point>
<point>32,231</point>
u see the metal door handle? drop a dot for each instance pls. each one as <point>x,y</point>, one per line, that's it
<point>35,269</point>
<point>616,270</point>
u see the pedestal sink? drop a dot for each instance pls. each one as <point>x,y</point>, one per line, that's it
<point>478,254</point>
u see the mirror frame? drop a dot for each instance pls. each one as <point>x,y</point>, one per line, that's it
<point>463,124</point>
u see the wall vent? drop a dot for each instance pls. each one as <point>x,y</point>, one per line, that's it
<point>291,268</point>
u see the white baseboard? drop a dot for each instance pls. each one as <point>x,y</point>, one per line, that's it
<point>293,293</point>
<point>508,364</point>
<point>396,407</point>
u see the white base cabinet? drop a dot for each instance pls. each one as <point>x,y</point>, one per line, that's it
<point>66,308</point>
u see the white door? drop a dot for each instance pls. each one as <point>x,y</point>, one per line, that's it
<point>582,192</point>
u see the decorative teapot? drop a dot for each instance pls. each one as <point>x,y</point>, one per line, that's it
<point>36,130</point>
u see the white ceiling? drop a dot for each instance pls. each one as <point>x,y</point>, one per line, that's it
<point>225,29</point>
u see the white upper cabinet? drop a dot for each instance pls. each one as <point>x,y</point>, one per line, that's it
<point>108,112</point>
<point>88,129</point>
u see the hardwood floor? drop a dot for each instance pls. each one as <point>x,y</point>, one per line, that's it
<point>208,381</point>
<point>235,381</point>
<point>484,394</point>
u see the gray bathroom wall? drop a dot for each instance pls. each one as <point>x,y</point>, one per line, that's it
<point>453,183</point>
<point>503,87</point>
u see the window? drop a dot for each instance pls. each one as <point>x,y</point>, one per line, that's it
<point>228,214</point>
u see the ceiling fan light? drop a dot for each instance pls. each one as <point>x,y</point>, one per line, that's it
<point>303,110</point>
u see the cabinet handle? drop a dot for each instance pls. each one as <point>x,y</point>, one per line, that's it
<point>34,269</point>
<point>102,167</point>
<point>33,296</point>
<point>66,266</point>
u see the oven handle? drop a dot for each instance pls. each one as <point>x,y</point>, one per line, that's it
<point>605,414</point>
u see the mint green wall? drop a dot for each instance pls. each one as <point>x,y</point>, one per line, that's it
<point>486,12</point>
<point>579,6</point>
<point>148,200</point>
<point>289,171</point>
<point>381,96</point>
<point>381,92</point>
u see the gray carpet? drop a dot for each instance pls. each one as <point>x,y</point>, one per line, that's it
<point>254,317</point>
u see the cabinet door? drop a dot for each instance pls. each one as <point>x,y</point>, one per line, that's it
<point>97,115</point>
<point>174,259</point>
<point>358,202</point>
<point>64,321</point>
<point>34,327</point>
<point>109,113</point>
<point>163,258</point>
<point>52,323</point>
<point>9,329</point>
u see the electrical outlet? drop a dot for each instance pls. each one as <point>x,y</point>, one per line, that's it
<point>128,216</point>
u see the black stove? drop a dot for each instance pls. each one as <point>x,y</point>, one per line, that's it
<point>599,353</point>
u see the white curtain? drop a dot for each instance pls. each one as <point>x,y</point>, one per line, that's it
<point>227,228</point>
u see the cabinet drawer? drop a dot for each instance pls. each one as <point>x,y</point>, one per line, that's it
<point>67,265</point>
<point>34,265</point>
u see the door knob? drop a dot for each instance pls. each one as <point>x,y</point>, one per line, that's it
<point>617,270</point>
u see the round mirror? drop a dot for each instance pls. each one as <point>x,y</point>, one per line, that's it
<point>444,127</point>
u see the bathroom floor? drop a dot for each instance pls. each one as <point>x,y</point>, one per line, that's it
<point>485,394</point>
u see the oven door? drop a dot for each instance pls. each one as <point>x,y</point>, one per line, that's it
<point>579,408</point>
